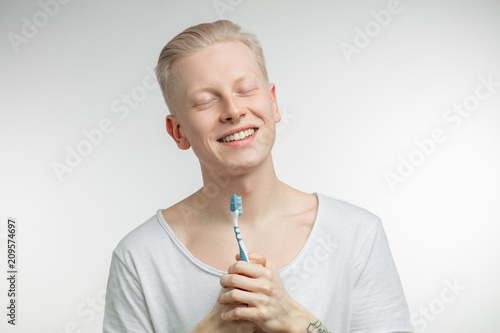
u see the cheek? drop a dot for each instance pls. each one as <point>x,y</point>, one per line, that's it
<point>200,129</point>
<point>262,107</point>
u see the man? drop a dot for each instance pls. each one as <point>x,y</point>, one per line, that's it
<point>319,264</point>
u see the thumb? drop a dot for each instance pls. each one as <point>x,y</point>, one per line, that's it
<point>254,258</point>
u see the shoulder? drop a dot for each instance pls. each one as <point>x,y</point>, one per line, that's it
<point>142,239</point>
<point>354,229</point>
<point>343,216</point>
<point>345,210</point>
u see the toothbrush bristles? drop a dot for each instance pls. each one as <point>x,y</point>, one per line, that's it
<point>236,204</point>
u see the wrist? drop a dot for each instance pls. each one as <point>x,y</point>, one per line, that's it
<point>301,319</point>
<point>209,323</point>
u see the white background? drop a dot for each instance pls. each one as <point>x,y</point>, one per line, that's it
<point>347,122</point>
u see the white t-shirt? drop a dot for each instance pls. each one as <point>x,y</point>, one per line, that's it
<point>344,275</point>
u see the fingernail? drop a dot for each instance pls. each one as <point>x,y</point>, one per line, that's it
<point>218,299</point>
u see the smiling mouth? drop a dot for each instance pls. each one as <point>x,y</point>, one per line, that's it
<point>239,136</point>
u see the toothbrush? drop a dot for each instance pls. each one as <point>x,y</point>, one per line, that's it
<point>237,210</point>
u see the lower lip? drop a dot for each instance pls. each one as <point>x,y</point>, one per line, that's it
<point>240,143</point>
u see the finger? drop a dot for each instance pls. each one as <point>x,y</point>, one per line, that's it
<point>237,296</point>
<point>247,269</point>
<point>238,281</point>
<point>231,281</point>
<point>260,261</point>
<point>254,256</point>
<point>251,256</point>
<point>265,285</point>
<point>270,265</point>
<point>250,314</point>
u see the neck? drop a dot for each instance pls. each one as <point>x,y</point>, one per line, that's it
<point>261,191</point>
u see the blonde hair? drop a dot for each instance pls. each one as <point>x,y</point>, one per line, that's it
<point>192,40</point>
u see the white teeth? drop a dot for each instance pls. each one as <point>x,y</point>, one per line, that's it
<point>238,136</point>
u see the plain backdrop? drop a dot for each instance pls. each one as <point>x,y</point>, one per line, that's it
<point>362,93</point>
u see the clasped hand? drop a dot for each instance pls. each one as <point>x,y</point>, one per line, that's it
<point>256,294</point>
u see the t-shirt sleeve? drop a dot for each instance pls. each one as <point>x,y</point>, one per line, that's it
<point>125,308</point>
<point>379,304</point>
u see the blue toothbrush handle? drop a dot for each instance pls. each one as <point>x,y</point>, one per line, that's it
<point>241,245</point>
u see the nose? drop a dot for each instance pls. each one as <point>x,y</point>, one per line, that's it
<point>232,110</point>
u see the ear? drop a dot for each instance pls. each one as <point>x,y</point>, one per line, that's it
<point>174,129</point>
<point>274,101</point>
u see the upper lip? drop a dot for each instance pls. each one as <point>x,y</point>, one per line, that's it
<point>237,130</point>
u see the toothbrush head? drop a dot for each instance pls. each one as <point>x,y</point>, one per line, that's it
<point>236,204</point>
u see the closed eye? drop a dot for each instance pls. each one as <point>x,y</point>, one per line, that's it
<point>247,91</point>
<point>204,102</point>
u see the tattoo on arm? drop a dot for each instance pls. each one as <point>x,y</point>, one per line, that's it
<point>317,327</point>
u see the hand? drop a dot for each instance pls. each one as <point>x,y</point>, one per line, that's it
<point>261,289</point>
<point>213,321</point>
<point>240,326</point>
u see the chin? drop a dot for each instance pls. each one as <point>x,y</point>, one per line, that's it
<point>245,165</point>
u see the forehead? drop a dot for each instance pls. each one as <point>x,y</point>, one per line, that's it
<point>215,65</point>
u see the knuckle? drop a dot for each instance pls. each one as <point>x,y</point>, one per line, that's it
<point>236,313</point>
<point>265,301</point>
<point>261,315</point>
<point>232,295</point>
<point>267,289</point>
<point>223,280</point>
<point>238,265</point>
<point>232,279</point>
<point>268,274</point>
